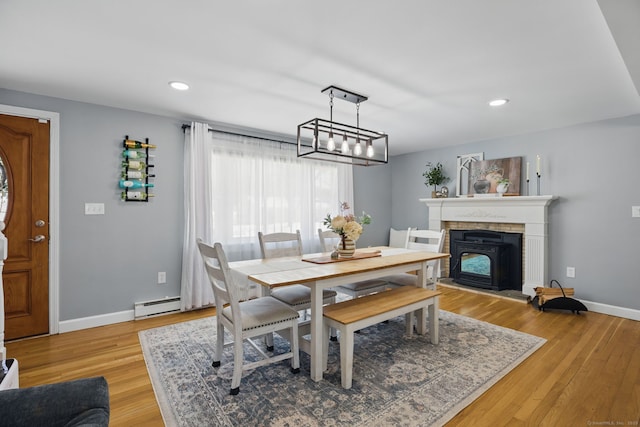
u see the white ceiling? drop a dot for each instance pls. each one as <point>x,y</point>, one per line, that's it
<point>429,67</point>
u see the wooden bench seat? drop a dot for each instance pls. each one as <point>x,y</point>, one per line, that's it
<point>352,315</point>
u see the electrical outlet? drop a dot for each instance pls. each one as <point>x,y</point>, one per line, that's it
<point>162,277</point>
<point>571,272</point>
<point>94,208</point>
<point>635,211</point>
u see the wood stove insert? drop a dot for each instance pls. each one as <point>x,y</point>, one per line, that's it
<point>501,252</point>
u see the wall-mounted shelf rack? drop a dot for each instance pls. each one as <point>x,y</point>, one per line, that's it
<point>134,175</point>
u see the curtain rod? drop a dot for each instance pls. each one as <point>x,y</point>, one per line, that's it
<point>185,126</point>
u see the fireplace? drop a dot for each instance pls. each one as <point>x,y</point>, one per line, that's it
<point>529,211</point>
<point>486,259</point>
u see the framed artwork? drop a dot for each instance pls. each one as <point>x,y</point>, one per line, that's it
<point>485,175</point>
<point>462,176</point>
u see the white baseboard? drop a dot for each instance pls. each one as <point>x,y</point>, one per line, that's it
<point>125,316</point>
<point>93,321</point>
<point>612,310</point>
<point>596,307</point>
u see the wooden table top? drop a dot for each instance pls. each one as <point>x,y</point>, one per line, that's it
<point>291,270</point>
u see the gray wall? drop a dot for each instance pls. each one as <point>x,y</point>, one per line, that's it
<point>109,262</point>
<point>372,194</point>
<point>592,168</point>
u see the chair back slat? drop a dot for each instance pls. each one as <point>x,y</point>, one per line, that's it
<point>328,240</point>
<point>425,240</point>
<point>428,241</point>
<point>224,288</point>
<point>276,245</point>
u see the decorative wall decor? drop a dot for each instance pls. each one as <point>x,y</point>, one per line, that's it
<point>134,175</point>
<point>462,175</point>
<point>486,175</point>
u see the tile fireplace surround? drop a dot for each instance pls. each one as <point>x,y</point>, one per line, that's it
<point>531,211</point>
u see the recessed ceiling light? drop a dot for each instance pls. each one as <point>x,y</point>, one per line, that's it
<point>498,102</point>
<point>179,85</point>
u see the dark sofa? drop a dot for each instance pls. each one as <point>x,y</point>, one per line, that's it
<point>83,402</point>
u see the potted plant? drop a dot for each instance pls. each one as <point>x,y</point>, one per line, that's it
<point>503,185</point>
<point>434,175</point>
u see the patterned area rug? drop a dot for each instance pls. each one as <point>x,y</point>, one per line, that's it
<point>396,380</point>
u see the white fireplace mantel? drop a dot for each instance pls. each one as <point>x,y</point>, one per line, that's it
<point>528,210</point>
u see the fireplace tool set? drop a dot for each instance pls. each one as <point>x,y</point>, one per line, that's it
<point>548,298</point>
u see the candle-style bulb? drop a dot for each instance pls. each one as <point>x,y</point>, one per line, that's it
<point>345,145</point>
<point>370,151</point>
<point>357,149</point>
<point>331,144</point>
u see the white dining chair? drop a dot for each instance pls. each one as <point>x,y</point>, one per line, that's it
<point>246,319</point>
<point>422,240</point>
<point>275,245</point>
<point>298,297</point>
<point>328,241</point>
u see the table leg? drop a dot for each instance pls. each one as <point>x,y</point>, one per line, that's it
<point>317,335</point>
<point>421,315</point>
<point>421,318</point>
<point>268,338</point>
<point>434,320</point>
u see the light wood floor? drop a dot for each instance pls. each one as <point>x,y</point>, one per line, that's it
<point>588,372</point>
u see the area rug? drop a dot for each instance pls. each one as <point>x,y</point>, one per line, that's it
<point>397,381</point>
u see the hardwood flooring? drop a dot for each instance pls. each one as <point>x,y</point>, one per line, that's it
<point>588,372</point>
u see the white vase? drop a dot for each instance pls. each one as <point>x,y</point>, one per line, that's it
<point>502,188</point>
<point>346,248</point>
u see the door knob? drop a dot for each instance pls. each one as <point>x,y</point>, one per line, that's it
<point>40,223</point>
<point>38,238</point>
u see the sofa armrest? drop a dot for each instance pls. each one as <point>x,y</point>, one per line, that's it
<point>73,403</point>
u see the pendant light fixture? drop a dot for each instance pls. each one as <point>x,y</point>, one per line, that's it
<point>312,133</point>
<point>331,144</point>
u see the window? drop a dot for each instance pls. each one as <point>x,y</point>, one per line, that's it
<point>259,185</point>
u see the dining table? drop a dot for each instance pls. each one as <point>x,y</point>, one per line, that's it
<point>319,271</point>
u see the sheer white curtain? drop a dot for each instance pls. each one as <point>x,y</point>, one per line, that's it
<point>236,186</point>
<point>195,289</point>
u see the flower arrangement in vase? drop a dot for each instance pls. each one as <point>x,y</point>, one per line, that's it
<point>348,227</point>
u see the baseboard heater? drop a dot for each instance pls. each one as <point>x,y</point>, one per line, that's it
<point>158,306</point>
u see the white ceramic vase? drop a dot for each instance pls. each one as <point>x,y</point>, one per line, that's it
<point>502,188</point>
<point>346,248</point>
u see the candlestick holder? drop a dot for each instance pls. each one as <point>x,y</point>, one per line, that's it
<point>538,182</point>
<point>526,188</point>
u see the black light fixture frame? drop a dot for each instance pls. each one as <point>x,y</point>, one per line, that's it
<point>309,133</point>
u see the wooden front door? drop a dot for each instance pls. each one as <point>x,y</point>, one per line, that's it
<point>24,151</point>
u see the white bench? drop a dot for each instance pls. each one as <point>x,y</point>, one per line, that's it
<point>352,315</point>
